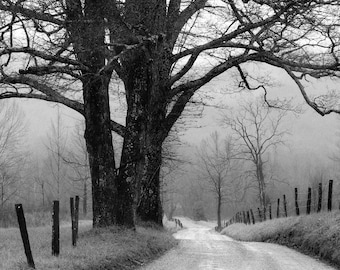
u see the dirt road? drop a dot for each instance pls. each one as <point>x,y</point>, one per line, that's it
<point>201,248</point>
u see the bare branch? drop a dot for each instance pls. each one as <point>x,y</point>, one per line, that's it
<point>48,94</point>
<point>43,55</point>
<point>29,13</point>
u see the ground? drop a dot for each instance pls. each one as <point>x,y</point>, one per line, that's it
<point>201,247</point>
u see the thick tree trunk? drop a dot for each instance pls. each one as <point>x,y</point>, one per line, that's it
<point>99,146</point>
<point>87,28</point>
<point>142,148</point>
<point>149,206</point>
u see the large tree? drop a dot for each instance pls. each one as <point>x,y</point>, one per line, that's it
<point>257,130</point>
<point>68,51</point>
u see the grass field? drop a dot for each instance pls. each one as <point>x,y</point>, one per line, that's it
<point>111,248</point>
<point>317,234</point>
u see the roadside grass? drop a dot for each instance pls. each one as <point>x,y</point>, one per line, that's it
<point>317,234</point>
<point>109,248</point>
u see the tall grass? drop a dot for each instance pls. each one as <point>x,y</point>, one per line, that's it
<point>316,234</point>
<point>9,219</point>
<point>110,248</point>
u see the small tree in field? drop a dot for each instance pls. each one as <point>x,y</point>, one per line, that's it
<point>221,171</point>
<point>257,129</point>
<point>54,165</point>
<point>77,159</point>
<point>69,52</point>
<point>12,158</point>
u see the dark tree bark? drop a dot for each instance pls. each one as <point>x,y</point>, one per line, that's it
<point>101,156</point>
<point>88,43</point>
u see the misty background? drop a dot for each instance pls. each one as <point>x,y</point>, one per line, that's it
<point>308,154</point>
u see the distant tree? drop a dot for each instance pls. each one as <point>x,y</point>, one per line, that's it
<point>12,156</point>
<point>257,129</point>
<point>54,165</point>
<point>171,172</point>
<point>76,157</point>
<point>40,183</point>
<point>69,51</point>
<point>220,170</point>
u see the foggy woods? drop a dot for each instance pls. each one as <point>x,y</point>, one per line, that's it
<point>162,52</point>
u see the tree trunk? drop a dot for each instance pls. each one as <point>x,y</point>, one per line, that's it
<point>99,146</point>
<point>219,204</point>
<point>140,167</point>
<point>87,29</point>
<point>146,75</point>
<point>262,185</point>
<point>149,206</point>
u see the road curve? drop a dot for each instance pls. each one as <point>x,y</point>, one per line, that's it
<point>201,248</point>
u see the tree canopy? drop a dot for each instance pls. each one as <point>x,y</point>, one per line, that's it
<point>69,51</point>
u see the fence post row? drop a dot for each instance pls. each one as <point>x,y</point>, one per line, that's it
<point>24,234</point>
<point>248,216</point>
<point>55,229</point>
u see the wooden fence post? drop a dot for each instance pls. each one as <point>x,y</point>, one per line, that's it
<point>285,205</point>
<point>76,217</point>
<point>74,209</point>
<point>24,234</point>
<point>248,218</point>
<point>55,229</point>
<point>330,191</point>
<point>278,208</point>
<point>252,216</point>
<point>270,211</point>
<point>73,221</point>
<point>297,210</point>
<point>309,200</point>
<point>320,198</point>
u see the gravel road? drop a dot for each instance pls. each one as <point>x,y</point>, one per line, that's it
<point>202,248</point>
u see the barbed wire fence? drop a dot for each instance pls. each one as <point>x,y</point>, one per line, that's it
<point>312,200</point>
